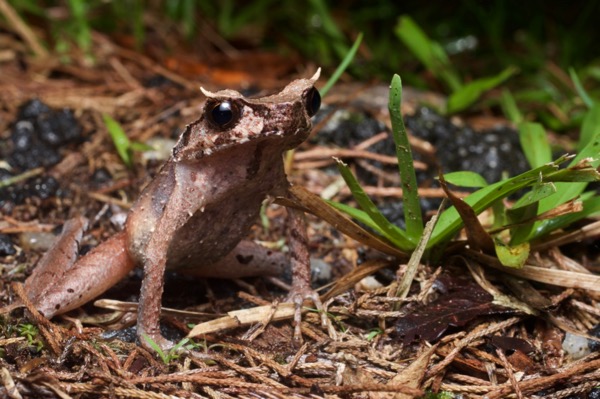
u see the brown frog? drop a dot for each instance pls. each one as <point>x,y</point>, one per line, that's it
<point>196,211</point>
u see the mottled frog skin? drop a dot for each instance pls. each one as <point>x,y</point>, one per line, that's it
<point>194,215</point>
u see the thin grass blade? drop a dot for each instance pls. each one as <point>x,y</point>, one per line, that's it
<point>410,194</point>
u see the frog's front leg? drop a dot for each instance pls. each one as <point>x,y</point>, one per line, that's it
<point>301,273</point>
<point>61,282</point>
<point>148,324</point>
<point>158,227</point>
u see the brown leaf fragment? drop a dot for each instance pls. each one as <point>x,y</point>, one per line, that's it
<point>308,202</point>
<point>478,238</point>
<point>520,361</point>
<point>551,344</point>
<point>525,292</point>
<point>512,344</point>
<point>461,301</point>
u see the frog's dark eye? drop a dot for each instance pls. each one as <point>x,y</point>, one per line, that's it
<point>223,114</point>
<point>313,102</point>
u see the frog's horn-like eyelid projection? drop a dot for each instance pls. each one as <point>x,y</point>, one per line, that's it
<point>235,94</point>
<point>316,75</point>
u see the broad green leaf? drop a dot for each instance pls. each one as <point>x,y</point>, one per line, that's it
<point>389,230</point>
<point>428,51</point>
<point>408,178</point>
<point>466,95</point>
<point>465,179</point>
<point>512,256</point>
<point>590,127</point>
<point>580,90</point>
<point>119,138</point>
<point>534,142</point>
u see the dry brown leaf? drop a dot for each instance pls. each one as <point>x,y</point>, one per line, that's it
<point>412,376</point>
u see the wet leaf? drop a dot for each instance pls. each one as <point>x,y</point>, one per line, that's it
<point>462,302</point>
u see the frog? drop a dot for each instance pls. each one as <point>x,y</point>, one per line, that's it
<point>195,214</point>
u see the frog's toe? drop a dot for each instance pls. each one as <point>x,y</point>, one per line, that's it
<point>298,297</point>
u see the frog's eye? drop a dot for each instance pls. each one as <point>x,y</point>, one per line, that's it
<point>313,102</point>
<point>223,114</point>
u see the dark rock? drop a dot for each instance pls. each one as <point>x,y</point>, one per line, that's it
<point>6,246</point>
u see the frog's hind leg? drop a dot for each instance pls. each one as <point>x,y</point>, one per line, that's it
<point>61,282</point>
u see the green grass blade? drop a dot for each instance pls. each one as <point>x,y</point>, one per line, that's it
<point>585,97</point>
<point>428,51</point>
<point>335,36</point>
<point>358,214</point>
<point>389,230</point>
<point>590,127</point>
<point>534,142</point>
<point>509,107</point>
<point>83,33</point>
<point>469,93</point>
<point>163,356</point>
<point>342,67</point>
<point>410,193</point>
<point>119,138</point>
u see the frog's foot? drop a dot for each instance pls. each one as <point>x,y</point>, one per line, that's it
<point>150,341</point>
<point>297,296</point>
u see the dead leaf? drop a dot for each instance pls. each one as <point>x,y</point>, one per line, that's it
<point>478,238</point>
<point>412,376</point>
<point>309,202</point>
<point>512,344</point>
<point>461,302</point>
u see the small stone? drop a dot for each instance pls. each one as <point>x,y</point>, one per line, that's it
<point>575,346</point>
<point>6,246</point>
